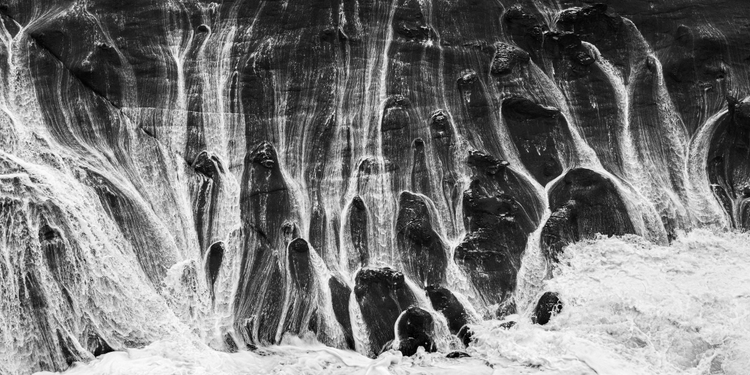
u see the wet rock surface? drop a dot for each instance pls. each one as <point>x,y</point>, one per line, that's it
<point>728,167</point>
<point>583,204</point>
<point>415,328</point>
<point>548,306</point>
<point>444,301</point>
<point>382,295</point>
<point>422,251</point>
<point>340,294</point>
<point>498,210</point>
<point>246,168</point>
<point>541,135</point>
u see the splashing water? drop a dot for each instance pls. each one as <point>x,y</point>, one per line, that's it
<point>630,307</point>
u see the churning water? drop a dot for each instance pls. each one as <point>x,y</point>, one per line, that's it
<point>631,307</point>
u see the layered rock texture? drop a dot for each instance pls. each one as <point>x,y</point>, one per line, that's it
<point>369,173</point>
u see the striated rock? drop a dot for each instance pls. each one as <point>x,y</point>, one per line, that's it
<point>420,173</point>
<point>583,204</point>
<point>230,344</point>
<point>358,226</point>
<point>302,297</point>
<point>340,294</point>
<point>382,295</point>
<point>728,169</point>
<point>265,210</point>
<point>422,251</point>
<point>500,211</point>
<point>446,303</point>
<point>69,351</point>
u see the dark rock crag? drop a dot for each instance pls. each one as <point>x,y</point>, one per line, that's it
<point>415,328</point>
<point>382,295</point>
<point>500,209</point>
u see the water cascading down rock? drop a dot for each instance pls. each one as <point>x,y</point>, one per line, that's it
<point>376,175</point>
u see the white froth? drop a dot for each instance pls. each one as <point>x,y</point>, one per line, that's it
<point>631,307</point>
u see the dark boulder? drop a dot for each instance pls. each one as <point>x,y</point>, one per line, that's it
<point>548,306</point>
<point>415,328</point>
<point>583,204</point>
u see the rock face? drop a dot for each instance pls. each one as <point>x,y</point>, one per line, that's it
<point>243,169</point>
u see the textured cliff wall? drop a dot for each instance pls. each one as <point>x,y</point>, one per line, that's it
<point>238,170</point>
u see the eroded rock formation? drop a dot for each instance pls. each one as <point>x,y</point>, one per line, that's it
<point>254,169</point>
